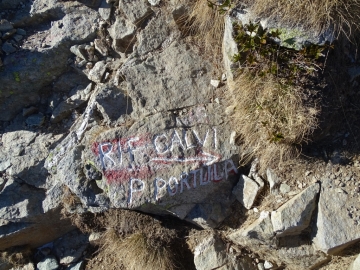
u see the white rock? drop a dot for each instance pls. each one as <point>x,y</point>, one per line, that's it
<point>215,83</point>
<point>154,2</point>
<point>284,188</point>
<point>268,265</point>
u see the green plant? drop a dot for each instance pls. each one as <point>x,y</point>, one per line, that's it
<point>274,110</point>
<point>16,76</point>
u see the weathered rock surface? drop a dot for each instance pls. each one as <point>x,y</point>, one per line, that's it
<point>136,11</point>
<point>336,228</point>
<point>246,191</point>
<point>295,215</point>
<point>212,253</point>
<point>184,81</point>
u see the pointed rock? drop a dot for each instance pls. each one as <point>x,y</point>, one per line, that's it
<point>295,215</point>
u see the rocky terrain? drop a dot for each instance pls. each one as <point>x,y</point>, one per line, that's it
<point>116,124</point>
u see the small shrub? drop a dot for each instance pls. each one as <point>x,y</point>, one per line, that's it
<point>274,94</point>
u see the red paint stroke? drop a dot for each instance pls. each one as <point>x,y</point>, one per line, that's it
<point>124,175</point>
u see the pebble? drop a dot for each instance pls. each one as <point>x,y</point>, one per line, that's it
<point>215,83</point>
<point>260,266</point>
<point>268,265</point>
<point>223,77</point>
<point>284,188</point>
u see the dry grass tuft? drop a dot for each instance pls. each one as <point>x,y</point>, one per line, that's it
<point>343,15</point>
<point>137,251</point>
<point>17,256</point>
<point>273,119</point>
<point>207,25</point>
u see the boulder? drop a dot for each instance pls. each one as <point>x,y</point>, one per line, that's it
<point>212,253</point>
<point>153,36</point>
<point>246,191</point>
<point>336,226</point>
<point>295,215</point>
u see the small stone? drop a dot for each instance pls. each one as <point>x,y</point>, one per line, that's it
<point>284,188</point>
<point>260,266</point>
<point>215,83</point>
<point>256,210</point>
<point>48,263</point>
<point>268,265</point>
<point>89,65</point>
<point>217,100</point>
<point>8,48</point>
<point>154,2</point>
<point>307,173</point>
<point>223,77</point>
<point>272,179</point>
<point>81,63</point>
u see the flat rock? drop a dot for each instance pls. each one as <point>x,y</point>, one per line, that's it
<point>246,191</point>
<point>184,81</point>
<point>336,228</point>
<point>153,36</point>
<point>295,215</point>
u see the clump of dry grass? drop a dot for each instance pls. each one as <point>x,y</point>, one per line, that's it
<point>136,251</point>
<point>207,25</point>
<point>272,119</point>
<point>16,256</point>
<point>342,15</point>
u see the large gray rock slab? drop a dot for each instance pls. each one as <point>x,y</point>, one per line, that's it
<point>212,253</point>
<point>155,33</point>
<point>164,163</point>
<point>295,215</point>
<point>175,78</point>
<point>336,226</point>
